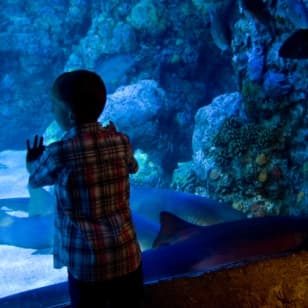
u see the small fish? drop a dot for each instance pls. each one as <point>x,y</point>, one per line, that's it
<point>222,17</point>
<point>259,11</point>
<point>295,46</point>
<point>220,30</point>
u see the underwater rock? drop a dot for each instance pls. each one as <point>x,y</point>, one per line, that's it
<point>255,64</point>
<point>106,37</point>
<point>184,178</point>
<point>114,70</point>
<point>149,173</point>
<point>148,17</point>
<point>135,109</point>
<point>260,12</point>
<point>297,12</point>
<point>208,120</point>
<point>276,84</point>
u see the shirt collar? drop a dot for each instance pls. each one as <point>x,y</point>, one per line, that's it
<point>86,127</point>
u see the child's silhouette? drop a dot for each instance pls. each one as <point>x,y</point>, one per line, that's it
<point>89,168</point>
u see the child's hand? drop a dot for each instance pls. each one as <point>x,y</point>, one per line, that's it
<point>111,126</point>
<point>36,151</point>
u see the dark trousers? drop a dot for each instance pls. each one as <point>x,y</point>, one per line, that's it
<point>125,291</point>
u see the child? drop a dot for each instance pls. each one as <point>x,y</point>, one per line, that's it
<point>89,168</point>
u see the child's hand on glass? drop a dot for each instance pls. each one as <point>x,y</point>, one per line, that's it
<point>36,150</point>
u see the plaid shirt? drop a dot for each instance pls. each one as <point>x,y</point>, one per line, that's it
<point>94,233</point>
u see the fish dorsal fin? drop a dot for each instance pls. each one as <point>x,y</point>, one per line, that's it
<point>172,229</point>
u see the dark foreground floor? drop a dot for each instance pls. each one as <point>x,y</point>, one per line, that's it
<point>280,282</point>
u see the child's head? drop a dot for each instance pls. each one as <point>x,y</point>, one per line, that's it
<point>82,92</point>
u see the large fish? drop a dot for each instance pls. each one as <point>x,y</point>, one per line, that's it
<point>188,249</point>
<point>28,221</point>
<point>146,203</point>
<point>150,201</point>
<point>295,46</point>
<point>36,232</point>
<point>220,30</point>
<point>185,249</point>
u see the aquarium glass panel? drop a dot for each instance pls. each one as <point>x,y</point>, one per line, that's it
<point>212,95</point>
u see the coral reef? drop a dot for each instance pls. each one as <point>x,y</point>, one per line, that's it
<point>222,114</point>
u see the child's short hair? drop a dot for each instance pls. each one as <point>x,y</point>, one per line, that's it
<point>83,91</point>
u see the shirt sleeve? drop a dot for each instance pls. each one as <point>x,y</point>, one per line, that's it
<point>132,162</point>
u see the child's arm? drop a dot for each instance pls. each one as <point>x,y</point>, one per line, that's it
<point>132,162</point>
<point>42,163</point>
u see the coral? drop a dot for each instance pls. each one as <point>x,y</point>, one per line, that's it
<point>238,205</point>
<point>236,138</point>
<point>261,159</point>
<point>250,89</point>
<point>276,173</point>
<point>276,84</point>
<point>183,178</point>
<point>267,137</point>
<point>258,209</point>
<point>255,65</point>
<point>214,174</point>
<point>148,173</point>
<point>300,197</point>
<point>305,169</point>
<point>145,16</point>
<point>262,176</point>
